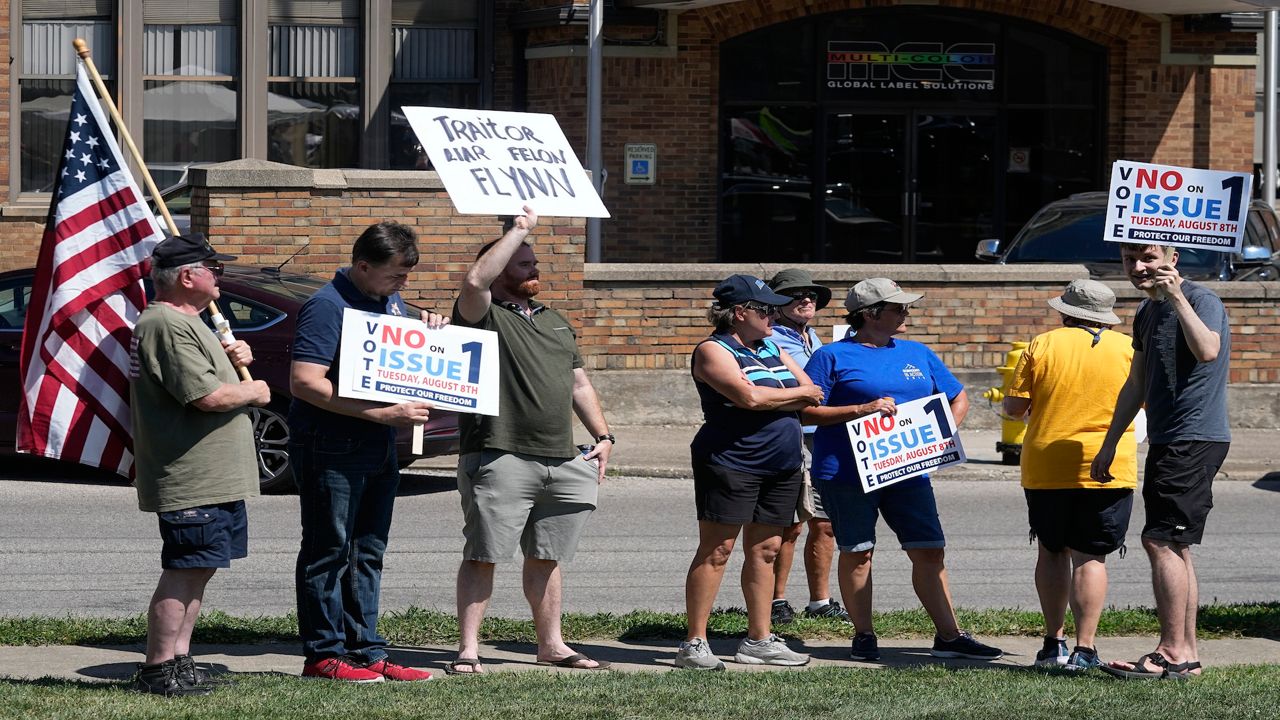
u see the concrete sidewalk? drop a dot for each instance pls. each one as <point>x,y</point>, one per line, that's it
<point>116,663</point>
<point>663,451</point>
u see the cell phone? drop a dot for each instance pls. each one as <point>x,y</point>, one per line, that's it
<point>586,449</point>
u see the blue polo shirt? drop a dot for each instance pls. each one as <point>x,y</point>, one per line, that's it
<point>318,338</point>
<point>851,373</point>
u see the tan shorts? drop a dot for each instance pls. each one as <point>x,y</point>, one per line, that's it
<point>541,502</point>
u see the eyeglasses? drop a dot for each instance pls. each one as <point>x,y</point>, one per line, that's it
<point>898,308</point>
<point>765,310</point>
<point>808,295</point>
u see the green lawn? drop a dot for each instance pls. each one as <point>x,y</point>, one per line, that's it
<point>427,627</point>
<point>1233,693</point>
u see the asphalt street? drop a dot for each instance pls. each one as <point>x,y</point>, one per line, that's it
<point>79,545</point>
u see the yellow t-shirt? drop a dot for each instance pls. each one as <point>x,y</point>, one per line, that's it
<point>1073,385</point>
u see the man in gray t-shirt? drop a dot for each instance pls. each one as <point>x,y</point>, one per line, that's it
<point>1182,346</point>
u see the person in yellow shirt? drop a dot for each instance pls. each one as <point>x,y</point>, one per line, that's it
<point>1068,379</point>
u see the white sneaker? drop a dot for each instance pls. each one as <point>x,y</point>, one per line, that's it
<point>769,651</point>
<point>695,655</point>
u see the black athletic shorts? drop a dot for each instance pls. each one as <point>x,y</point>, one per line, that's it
<point>1087,520</point>
<point>725,495</point>
<point>1177,489</point>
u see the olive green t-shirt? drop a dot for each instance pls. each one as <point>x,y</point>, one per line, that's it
<point>184,457</point>
<point>536,358</point>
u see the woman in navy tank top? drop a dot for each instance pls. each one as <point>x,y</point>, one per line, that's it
<point>746,466</point>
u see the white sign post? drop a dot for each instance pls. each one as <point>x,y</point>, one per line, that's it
<point>1182,207</point>
<point>495,163</point>
<point>921,437</point>
<point>394,359</point>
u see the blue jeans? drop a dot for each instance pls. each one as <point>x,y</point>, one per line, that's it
<point>347,490</point>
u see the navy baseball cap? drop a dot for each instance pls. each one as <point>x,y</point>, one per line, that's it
<point>182,250</point>
<point>739,289</point>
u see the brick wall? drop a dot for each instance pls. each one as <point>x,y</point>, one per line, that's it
<point>651,318</point>
<point>20,238</point>
<point>264,212</point>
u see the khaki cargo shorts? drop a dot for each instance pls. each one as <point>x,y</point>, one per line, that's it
<point>541,502</point>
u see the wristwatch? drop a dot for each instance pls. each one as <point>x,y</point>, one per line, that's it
<point>607,436</point>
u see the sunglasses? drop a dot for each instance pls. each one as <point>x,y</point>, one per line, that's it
<point>761,308</point>
<point>808,295</point>
<point>215,268</point>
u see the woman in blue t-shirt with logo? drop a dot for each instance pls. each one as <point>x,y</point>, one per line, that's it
<point>746,466</point>
<point>869,372</point>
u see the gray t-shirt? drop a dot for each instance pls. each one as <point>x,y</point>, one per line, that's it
<point>185,457</point>
<point>1186,399</point>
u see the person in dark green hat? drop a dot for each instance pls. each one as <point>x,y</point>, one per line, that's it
<point>792,332</point>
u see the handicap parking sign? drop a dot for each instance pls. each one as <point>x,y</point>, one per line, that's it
<point>641,163</point>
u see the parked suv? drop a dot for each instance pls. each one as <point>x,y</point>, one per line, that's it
<point>1071,231</point>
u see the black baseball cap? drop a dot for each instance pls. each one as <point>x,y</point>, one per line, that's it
<point>182,250</point>
<point>739,289</point>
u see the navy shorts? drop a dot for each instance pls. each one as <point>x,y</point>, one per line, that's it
<point>210,536</point>
<point>908,507</point>
<point>1087,520</point>
<point>1177,489</point>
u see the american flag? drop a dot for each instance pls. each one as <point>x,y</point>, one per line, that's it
<point>86,299</point>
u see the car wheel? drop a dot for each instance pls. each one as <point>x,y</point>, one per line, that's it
<point>271,436</point>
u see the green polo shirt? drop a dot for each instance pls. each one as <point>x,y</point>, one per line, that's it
<point>536,358</point>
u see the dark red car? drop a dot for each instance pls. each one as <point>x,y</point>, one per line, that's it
<point>262,306</point>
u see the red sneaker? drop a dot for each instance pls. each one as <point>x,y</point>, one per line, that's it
<point>336,668</point>
<point>400,673</point>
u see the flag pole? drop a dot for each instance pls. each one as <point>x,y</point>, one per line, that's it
<point>220,323</point>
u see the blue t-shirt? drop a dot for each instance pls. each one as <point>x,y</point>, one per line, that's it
<point>760,442</point>
<point>851,373</point>
<point>318,338</point>
<point>790,340</point>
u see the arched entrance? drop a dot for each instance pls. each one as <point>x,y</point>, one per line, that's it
<point>901,134</point>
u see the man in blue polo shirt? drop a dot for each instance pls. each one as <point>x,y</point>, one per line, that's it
<point>344,462</point>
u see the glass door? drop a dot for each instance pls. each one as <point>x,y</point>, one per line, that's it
<point>908,186</point>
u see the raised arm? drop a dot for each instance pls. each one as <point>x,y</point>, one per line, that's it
<point>474,299</point>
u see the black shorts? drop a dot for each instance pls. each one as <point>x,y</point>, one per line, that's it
<point>1086,520</point>
<point>1177,489</point>
<point>725,495</point>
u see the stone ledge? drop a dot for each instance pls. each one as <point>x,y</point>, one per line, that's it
<point>251,174</point>
<point>832,273</point>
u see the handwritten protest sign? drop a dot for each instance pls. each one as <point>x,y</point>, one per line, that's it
<point>891,448</point>
<point>495,163</point>
<point>394,359</point>
<point>1183,207</point>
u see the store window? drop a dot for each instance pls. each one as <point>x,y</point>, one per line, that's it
<point>313,83</point>
<point>190,104</point>
<point>902,134</point>
<point>46,77</point>
<point>436,63</point>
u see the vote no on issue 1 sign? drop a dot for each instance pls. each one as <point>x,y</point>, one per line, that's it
<point>394,359</point>
<point>920,438</point>
<point>1182,207</point>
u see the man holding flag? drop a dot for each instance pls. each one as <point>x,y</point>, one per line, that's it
<point>76,367</point>
<point>195,451</point>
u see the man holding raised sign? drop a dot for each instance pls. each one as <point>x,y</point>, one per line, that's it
<point>344,462</point>
<point>520,477</point>
<point>870,373</point>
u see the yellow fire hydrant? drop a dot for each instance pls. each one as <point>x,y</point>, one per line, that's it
<point>1012,430</point>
